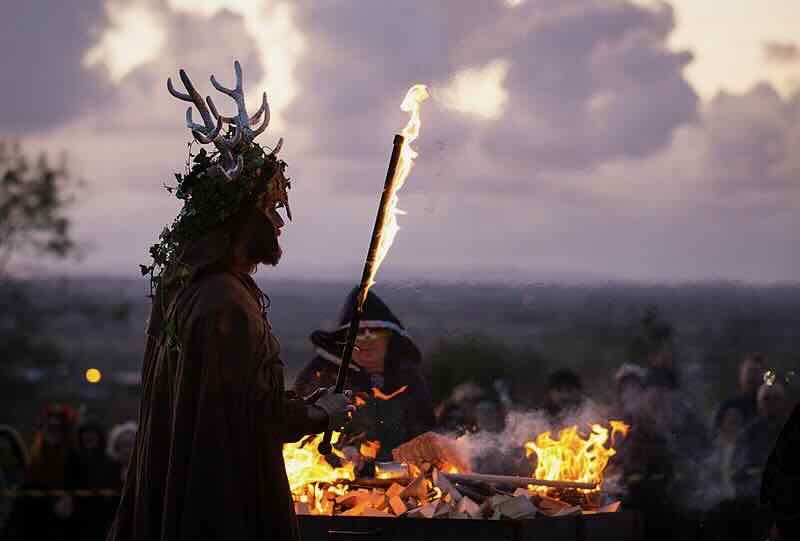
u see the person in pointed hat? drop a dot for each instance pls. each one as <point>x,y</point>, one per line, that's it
<point>393,403</point>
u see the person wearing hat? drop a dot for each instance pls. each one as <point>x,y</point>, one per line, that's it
<point>392,398</point>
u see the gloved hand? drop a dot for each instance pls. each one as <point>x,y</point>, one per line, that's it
<point>337,406</point>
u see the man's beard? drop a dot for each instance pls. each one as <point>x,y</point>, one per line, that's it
<point>264,247</point>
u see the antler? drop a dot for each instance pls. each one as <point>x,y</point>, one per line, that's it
<point>241,120</point>
<point>210,132</point>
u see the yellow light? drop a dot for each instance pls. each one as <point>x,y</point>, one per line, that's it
<point>93,375</point>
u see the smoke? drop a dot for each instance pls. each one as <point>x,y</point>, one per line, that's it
<point>503,452</point>
<point>667,441</point>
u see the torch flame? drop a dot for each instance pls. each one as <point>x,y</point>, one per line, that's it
<point>389,228</point>
<point>572,457</point>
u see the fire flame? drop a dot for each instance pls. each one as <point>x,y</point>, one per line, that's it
<point>319,488</point>
<point>572,457</point>
<point>389,228</point>
<point>307,469</point>
<point>380,395</point>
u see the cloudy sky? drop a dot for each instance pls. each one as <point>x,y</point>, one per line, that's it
<point>634,139</point>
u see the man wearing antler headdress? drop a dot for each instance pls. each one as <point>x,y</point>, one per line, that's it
<point>214,414</point>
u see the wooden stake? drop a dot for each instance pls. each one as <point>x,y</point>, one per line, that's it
<point>513,480</point>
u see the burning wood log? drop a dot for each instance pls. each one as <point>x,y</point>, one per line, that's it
<point>514,481</point>
<point>422,488</point>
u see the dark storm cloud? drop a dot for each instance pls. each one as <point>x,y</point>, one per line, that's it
<point>588,81</point>
<point>591,81</point>
<point>781,52</point>
<point>602,161</point>
<point>753,141</point>
<point>41,48</point>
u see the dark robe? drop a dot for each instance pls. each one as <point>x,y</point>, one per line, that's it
<point>214,415</point>
<point>390,422</point>
<point>780,485</point>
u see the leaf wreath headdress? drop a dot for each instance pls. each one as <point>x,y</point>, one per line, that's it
<point>216,184</point>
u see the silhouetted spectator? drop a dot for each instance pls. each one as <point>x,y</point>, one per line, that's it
<point>471,408</point>
<point>751,376</point>
<point>629,384</point>
<point>93,471</point>
<point>563,394</point>
<point>729,422</point>
<point>643,459</point>
<point>758,439</point>
<point>120,444</point>
<point>656,344</point>
<point>47,516</point>
<point>13,456</point>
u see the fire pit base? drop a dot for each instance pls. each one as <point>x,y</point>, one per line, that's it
<point>621,526</point>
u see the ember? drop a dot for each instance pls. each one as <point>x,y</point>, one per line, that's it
<point>377,393</point>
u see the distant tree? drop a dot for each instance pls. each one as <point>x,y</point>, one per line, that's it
<point>34,195</point>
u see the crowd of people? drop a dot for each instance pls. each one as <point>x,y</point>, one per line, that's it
<point>66,483</point>
<point>673,462</point>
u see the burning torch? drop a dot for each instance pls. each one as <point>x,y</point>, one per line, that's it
<point>384,230</point>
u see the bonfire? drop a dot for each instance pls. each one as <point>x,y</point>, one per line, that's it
<point>434,481</point>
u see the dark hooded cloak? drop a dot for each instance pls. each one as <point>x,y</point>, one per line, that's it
<point>780,485</point>
<point>390,422</point>
<point>207,462</point>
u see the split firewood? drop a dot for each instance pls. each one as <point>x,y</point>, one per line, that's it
<point>469,507</point>
<point>524,492</point>
<point>378,500</point>
<point>353,498</point>
<point>395,490</point>
<point>466,490</point>
<point>301,508</point>
<point>372,512</point>
<point>550,506</point>
<point>434,449</point>
<point>568,511</point>
<point>496,501</point>
<point>356,511</point>
<point>517,508</point>
<point>444,484</point>
<point>415,489</point>
<point>429,510</point>
<point>443,510</point>
<point>397,505</point>
<point>414,512</point>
